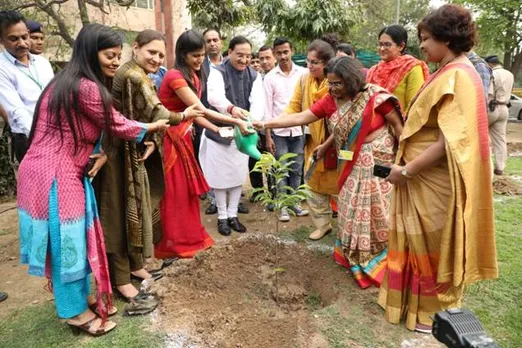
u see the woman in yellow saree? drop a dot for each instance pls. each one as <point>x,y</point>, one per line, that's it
<point>441,231</point>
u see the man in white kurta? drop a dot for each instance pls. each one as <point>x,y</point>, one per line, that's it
<point>233,87</point>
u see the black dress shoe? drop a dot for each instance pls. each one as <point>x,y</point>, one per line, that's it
<point>224,228</point>
<point>236,225</point>
<point>242,209</point>
<point>211,210</point>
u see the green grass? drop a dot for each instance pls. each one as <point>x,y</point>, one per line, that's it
<point>38,326</point>
<point>301,233</point>
<point>498,303</point>
<point>514,166</point>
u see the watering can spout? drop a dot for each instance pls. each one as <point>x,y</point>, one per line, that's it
<point>247,144</point>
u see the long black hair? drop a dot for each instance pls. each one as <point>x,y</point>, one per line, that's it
<point>189,41</point>
<point>64,89</point>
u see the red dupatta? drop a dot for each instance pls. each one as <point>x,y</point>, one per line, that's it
<point>390,74</point>
<point>176,138</point>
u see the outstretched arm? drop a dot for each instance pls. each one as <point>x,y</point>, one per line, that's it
<point>285,121</point>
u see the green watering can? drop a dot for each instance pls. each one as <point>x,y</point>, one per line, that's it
<point>247,144</point>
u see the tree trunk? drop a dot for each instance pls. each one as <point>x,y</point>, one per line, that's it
<point>62,27</point>
<point>517,65</point>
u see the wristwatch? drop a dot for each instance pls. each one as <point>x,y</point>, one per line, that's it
<point>405,173</point>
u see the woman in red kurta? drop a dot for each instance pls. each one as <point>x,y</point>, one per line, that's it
<point>183,233</point>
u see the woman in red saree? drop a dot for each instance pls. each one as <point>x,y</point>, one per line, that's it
<point>363,119</point>
<point>183,233</point>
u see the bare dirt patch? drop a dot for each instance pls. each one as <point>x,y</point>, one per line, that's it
<point>237,295</point>
<point>505,185</point>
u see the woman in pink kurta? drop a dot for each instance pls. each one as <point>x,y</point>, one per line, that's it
<point>60,233</point>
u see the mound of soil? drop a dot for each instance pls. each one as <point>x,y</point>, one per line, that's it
<point>514,149</point>
<point>504,185</point>
<point>239,295</point>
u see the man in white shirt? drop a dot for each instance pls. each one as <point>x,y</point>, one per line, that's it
<point>498,112</point>
<point>233,88</point>
<point>279,86</point>
<point>23,77</point>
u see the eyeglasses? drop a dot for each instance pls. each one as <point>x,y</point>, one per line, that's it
<point>313,61</point>
<point>386,45</point>
<point>335,84</point>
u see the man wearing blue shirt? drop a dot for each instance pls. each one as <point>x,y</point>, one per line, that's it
<point>23,77</point>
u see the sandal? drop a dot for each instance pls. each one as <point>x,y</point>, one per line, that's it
<point>140,307</point>
<point>93,307</point>
<point>156,275</point>
<point>87,327</point>
<point>141,304</point>
<point>426,329</point>
<point>141,296</point>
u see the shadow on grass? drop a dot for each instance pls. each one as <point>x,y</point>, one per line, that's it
<point>38,326</point>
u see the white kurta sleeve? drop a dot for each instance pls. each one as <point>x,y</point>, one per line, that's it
<point>257,99</point>
<point>216,91</point>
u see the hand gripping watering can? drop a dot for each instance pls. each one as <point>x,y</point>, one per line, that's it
<point>247,144</point>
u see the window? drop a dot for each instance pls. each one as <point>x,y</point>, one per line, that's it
<point>146,4</point>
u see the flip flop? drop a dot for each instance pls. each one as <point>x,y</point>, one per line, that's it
<point>3,296</point>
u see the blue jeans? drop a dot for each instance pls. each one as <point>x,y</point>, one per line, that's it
<point>294,145</point>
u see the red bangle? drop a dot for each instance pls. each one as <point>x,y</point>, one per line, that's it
<point>230,108</point>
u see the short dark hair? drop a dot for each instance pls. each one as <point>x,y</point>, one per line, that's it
<point>254,55</point>
<point>264,48</point>
<point>451,23</point>
<point>148,35</point>
<point>212,29</point>
<point>492,60</point>
<point>346,48</point>
<point>278,41</point>
<point>238,40</point>
<point>398,34</point>
<point>350,71</point>
<point>9,18</point>
<point>324,50</point>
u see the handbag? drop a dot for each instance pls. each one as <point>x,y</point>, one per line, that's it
<point>330,157</point>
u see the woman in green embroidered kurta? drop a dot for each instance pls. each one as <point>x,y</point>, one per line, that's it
<point>130,185</point>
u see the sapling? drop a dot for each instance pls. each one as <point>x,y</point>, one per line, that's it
<point>278,195</point>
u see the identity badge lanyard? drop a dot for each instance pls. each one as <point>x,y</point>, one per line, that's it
<point>30,74</point>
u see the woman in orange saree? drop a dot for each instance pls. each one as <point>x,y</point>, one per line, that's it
<point>183,233</point>
<point>441,231</point>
